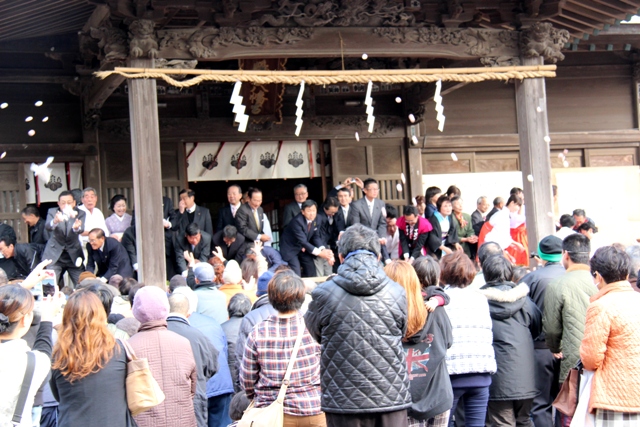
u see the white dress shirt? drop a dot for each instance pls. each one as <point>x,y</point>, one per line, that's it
<point>392,244</point>
<point>93,220</point>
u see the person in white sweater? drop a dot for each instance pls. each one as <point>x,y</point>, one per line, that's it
<point>471,358</point>
<point>16,315</point>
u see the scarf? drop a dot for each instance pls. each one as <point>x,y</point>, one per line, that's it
<point>460,219</point>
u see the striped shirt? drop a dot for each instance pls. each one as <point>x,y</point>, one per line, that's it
<point>264,363</point>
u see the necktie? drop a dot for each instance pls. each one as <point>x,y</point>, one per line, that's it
<point>233,211</point>
<point>255,216</point>
<point>371,210</point>
<point>308,226</point>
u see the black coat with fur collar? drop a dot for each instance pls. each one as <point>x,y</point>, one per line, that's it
<point>516,322</point>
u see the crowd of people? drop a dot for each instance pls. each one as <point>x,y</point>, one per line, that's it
<point>360,316</point>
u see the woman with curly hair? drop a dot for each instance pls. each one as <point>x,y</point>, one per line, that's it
<point>89,367</point>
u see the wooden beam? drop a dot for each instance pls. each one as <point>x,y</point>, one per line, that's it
<point>100,13</point>
<point>533,132</point>
<point>598,7</point>
<point>39,152</point>
<point>589,13</point>
<point>147,177</point>
<point>102,90</point>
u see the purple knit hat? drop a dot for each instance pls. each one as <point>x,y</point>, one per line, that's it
<point>151,303</point>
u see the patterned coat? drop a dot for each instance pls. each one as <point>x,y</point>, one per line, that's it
<point>611,348</point>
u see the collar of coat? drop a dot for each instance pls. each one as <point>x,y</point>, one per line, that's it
<point>622,286</point>
<point>578,267</point>
<point>493,292</point>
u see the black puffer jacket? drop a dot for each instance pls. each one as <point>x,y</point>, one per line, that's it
<point>359,317</point>
<point>517,321</point>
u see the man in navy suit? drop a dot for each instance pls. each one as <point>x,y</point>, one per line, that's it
<point>227,214</point>
<point>65,223</point>
<point>301,241</point>
<point>192,240</point>
<point>370,212</point>
<point>108,255</point>
<point>250,218</point>
<point>329,232</point>
<point>191,213</point>
<point>343,221</point>
<point>230,243</point>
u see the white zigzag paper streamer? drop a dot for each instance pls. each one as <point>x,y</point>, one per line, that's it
<point>439,108</point>
<point>299,111</point>
<point>241,118</point>
<point>368,101</point>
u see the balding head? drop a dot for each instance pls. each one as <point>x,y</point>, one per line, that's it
<point>179,304</point>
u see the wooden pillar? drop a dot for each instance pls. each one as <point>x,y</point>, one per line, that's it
<point>147,177</point>
<point>535,162</point>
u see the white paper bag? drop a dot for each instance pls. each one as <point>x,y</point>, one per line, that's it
<point>582,417</point>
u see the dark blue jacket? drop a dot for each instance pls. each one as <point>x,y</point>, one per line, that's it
<point>297,236</point>
<point>113,259</point>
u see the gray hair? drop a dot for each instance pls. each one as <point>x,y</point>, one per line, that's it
<point>634,253</point>
<point>359,237</point>
<point>87,189</point>
<point>480,199</point>
<point>179,303</point>
<point>299,186</point>
<point>239,305</point>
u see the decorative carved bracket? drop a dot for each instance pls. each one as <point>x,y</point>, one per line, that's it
<point>541,39</point>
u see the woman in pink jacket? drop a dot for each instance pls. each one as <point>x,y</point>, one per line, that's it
<point>611,342</point>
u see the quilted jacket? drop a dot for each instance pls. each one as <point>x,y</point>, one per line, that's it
<point>516,322</point>
<point>611,348</point>
<point>173,366</point>
<point>565,308</point>
<point>359,318</point>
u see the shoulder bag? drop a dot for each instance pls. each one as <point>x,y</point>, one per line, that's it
<point>567,399</point>
<point>143,391</point>
<point>273,415</point>
<point>24,389</point>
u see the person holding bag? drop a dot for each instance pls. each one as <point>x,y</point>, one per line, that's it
<point>280,351</point>
<point>89,367</point>
<point>611,342</point>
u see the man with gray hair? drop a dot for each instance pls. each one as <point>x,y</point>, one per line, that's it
<point>204,353</point>
<point>634,253</point>
<point>300,193</point>
<point>94,217</point>
<point>480,214</point>
<point>358,313</point>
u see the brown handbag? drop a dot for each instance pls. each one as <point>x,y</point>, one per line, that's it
<point>567,400</point>
<point>143,391</point>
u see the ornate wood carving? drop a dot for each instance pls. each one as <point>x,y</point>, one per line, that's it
<point>112,43</point>
<point>500,61</point>
<point>142,39</point>
<point>541,39</point>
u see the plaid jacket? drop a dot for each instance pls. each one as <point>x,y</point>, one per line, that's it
<point>264,363</point>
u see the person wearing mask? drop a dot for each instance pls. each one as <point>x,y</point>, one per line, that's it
<point>357,313</point>
<point>302,241</point>
<point>16,316</point>
<point>120,220</point>
<point>89,367</point>
<point>565,306</point>
<point>269,348</point>
<point>65,223</point>
<point>205,354</point>
<point>189,213</point>
<point>38,234</point>
<point>443,238</point>
<point>300,194</point>
<point>516,322</point>
<point>471,359</point>
<point>425,344</point>
<point>431,197</point>
<point>250,218</point>
<point>94,217</point>
<point>163,348</point>
<point>611,343</point>
<point>227,214</point>
<point>107,255</point>
<point>462,221</point>
<point>19,258</point>
<point>413,231</point>
<point>547,366</point>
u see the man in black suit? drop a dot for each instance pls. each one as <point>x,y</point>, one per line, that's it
<point>250,218</point>
<point>128,242</point>
<point>479,215</point>
<point>19,259</point>
<point>300,193</point>
<point>343,221</point>
<point>301,242</point>
<point>108,255</point>
<point>190,213</point>
<point>38,234</point>
<point>329,234</point>
<point>196,242</point>
<point>370,212</point>
<point>227,214</point>
<point>229,244</point>
<point>65,223</point>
